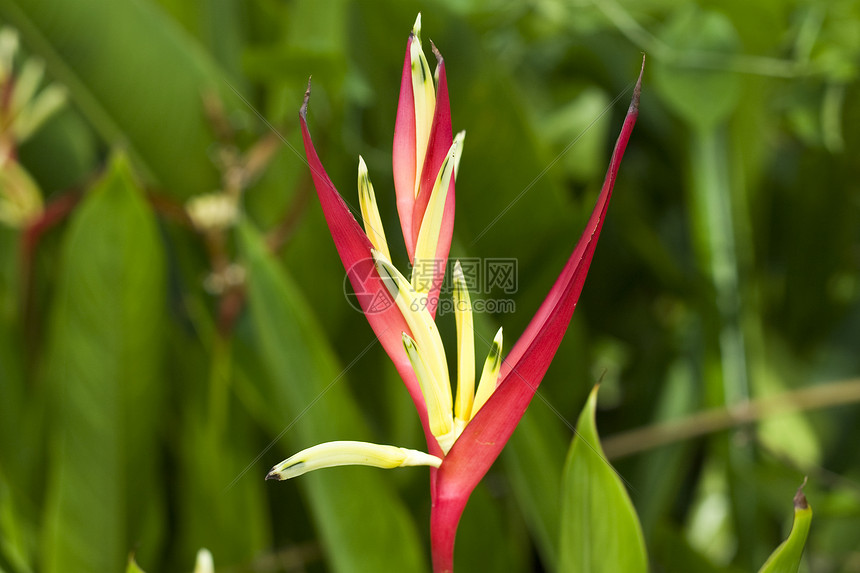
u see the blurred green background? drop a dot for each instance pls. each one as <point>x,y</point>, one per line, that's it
<point>151,371</point>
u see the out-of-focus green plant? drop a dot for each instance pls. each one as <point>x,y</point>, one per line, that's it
<point>173,315</point>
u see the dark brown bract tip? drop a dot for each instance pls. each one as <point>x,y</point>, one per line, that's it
<point>800,499</point>
<point>303,111</point>
<point>439,60</point>
<point>273,475</point>
<point>637,90</point>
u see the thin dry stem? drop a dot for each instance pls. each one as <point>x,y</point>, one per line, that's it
<point>718,419</point>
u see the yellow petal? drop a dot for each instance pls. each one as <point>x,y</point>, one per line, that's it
<point>349,453</point>
<point>413,307</point>
<point>465,346</point>
<point>437,399</point>
<point>370,211</point>
<point>424,94</point>
<point>490,375</point>
<point>424,262</point>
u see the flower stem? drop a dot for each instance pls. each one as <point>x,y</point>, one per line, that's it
<point>444,518</point>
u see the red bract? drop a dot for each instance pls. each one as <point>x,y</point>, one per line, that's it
<point>522,372</point>
<point>463,440</point>
<point>353,246</point>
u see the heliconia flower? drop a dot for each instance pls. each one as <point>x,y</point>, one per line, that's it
<point>467,431</point>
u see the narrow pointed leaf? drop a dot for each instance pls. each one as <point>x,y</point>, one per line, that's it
<point>600,531</point>
<point>354,249</point>
<point>786,557</point>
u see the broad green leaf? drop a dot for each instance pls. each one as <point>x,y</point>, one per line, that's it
<point>103,376</point>
<point>361,522</point>
<point>786,557</point>
<point>134,75</point>
<point>599,527</point>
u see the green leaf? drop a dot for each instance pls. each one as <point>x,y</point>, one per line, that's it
<point>103,378</point>
<point>362,524</point>
<point>145,99</point>
<point>786,557</point>
<point>599,527</point>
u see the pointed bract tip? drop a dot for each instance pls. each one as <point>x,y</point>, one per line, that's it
<point>637,89</point>
<point>416,28</point>
<point>800,499</point>
<point>439,60</point>
<point>303,111</point>
<point>273,475</point>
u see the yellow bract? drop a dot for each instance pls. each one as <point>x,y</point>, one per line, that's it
<point>370,211</point>
<point>349,453</point>
<point>424,95</point>
<point>490,375</point>
<point>425,263</point>
<point>413,307</point>
<point>465,347</point>
<point>437,397</point>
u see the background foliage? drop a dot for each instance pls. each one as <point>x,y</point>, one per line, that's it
<point>146,367</point>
